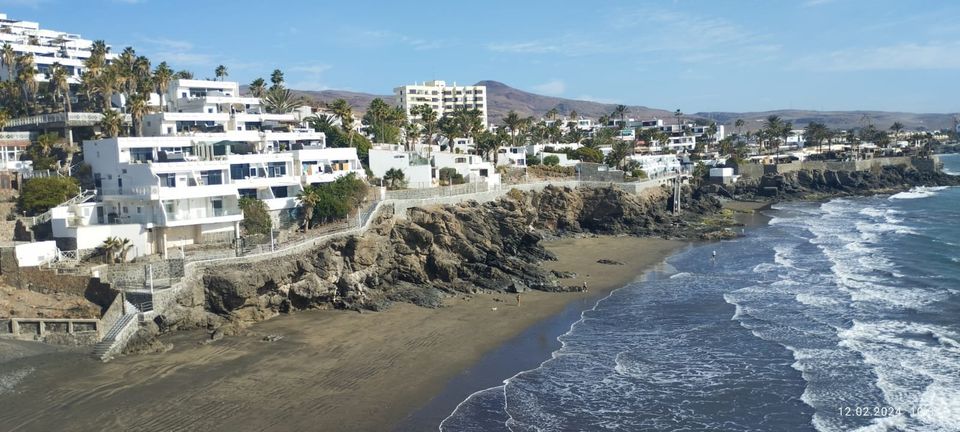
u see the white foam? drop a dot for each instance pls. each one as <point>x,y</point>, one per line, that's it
<point>10,379</point>
<point>918,192</point>
<point>680,275</point>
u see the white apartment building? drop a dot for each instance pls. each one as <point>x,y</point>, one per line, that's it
<point>442,98</point>
<point>422,170</point>
<point>12,145</point>
<point>47,46</point>
<point>176,188</point>
<point>212,106</point>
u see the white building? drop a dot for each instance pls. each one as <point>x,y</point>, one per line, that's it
<point>656,165</point>
<point>175,188</point>
<point>515,157</point>
<point>442,98</point>
<point>12,145</point>
<point>421,169</point>
<point>47,47</point>
<point>212,106</point>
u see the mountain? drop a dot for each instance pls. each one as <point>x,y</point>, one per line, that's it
<point>835,119</point>
<point>503,98</point>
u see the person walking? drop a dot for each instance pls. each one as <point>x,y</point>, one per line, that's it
<point>518,299</point>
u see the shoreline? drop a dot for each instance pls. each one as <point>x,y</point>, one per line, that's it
<point>329,370</point>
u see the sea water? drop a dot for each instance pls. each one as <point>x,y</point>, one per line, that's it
<point>837,316</point>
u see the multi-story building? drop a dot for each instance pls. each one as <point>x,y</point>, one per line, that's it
<point>177,188</point>
<point>442,98</point>
<point>47,47</point>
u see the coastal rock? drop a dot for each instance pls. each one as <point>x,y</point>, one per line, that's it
<point>820,184</point>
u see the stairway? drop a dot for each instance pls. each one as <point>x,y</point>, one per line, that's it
<point>81,198</point>
<point>101,349</point>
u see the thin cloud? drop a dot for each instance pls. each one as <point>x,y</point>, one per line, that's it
<point>554,87</point>
<point>814,3</point>
<point>905,56</point>
<point>389,37</point>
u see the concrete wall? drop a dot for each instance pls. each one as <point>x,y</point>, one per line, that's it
<point>758,170</point>
<point>35,254</point>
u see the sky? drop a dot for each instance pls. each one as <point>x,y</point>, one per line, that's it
<point>697,56</point>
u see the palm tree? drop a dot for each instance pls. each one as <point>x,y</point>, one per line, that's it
<point>26,75</point>
<point>276,78</point>
<point>342,109</point>
<point>111,123</point>
<point>739,125</point>
<point>772,128</point>
<point>574,115</point>
<point>221,72</point>
<point>394,178</point>
<point>8,57</point>
<point>621,110</point>
<point>428,118</point>
<point>411,132</point>
<point>679,116</point>
<point>897,127</point>
<point>123,246</point>
<point>552,114</point>
<point>109,246</point>
<point>816,132</point>
<point>4,118</point>
<point>59,86</point>
<point>46,142</point>
<point>309,199</point>
<point>138,107</point>
<point>513,120</point>
<point>280,100</point>
<point>258,88</point>
<point>162,76</point>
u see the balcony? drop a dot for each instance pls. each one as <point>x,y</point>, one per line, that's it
<point>199,216</point>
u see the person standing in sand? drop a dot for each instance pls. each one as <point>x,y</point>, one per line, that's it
<point>518,299</point>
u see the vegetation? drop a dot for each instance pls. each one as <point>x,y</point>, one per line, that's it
<point>394,179</point>
<point>551,160</point>
<point>586,154</point>
<point>43,193</point>
<point>450,176</point>
<point>384,122</point>
<point>115,249</point>
<point>256,218</point>
<point>331,201</point>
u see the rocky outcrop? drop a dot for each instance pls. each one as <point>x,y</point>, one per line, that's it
<point>435,252</point>
<point>819,184</point>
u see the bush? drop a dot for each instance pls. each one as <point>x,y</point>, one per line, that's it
<point>587,154</point>
<point>532,160</point>
<point>394,179</point>
<point>256,218</point>
<point>639,173</point>
<point>552,160</point>
<point>43,193</point>
<point>450,176</point>
<point>335,200</point>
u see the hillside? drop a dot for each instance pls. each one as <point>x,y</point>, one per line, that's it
<point>503,98</point>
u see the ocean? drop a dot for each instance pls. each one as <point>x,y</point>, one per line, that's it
<point>836,316</point>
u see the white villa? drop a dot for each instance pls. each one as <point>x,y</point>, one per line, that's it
<point>47,46</point>
<point>176,188</point>
<point>421,169</point>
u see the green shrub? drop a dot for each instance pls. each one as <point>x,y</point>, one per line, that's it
<point>43,193</point>
<point>532,160</point>
<point>639,173</point>
<point>552,160</point>
<point>256,218</point>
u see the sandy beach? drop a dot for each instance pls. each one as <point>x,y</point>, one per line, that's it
<point>331,370</point>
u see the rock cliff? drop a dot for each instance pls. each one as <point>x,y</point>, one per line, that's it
<point>820,184</point>
<point>433,252</point>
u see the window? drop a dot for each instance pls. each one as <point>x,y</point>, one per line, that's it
<point>460,160</point>
<point>239,171</point>
<point>276,169</point>
<point>280,191</point>
<point>217,205</point>
<point>168,180</point>
<point>211,177</point>
<point>247,193</point>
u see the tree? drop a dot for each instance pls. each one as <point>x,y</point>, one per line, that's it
<point>138,107</point>
<point>40,194</point>
<point>183,74</point>
<point>4,118</point>
<point>621,111</point>
<point>256,218</point>
<point>281,101</point>
<point>679,116</point>
<point>308,199</point>
<point>618,152</point>
<point>8,57</point>
<point>486,143</point>
<point>551,160</point>
<point>384,121</point>
<point>394,179</point>
<point>276,78</point>
<point>425,115</point>
<point>513,122</point>
<point>337,199</point>
<point>739,125</point>
<point>773,128</point>
<point>411,133</point>
<point>896,127</point>
<point>587,154</point>
<point>111,123</point>
<point>816,132</point>
<point>162,76</point>
<point>59,85</point>
<point>258,88</point>
<point>221,72</point>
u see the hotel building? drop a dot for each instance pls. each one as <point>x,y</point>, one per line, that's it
<point>442,98</point>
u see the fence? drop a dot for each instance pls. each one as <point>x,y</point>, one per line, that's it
<point>460,189</point>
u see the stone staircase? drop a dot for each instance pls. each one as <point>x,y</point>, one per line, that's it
<point>104,349</point>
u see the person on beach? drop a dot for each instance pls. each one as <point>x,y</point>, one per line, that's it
<point>518,299</point>
<point>584,286</point>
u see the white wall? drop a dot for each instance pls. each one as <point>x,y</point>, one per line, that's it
<point>34,254</point>
<point>90,237</point>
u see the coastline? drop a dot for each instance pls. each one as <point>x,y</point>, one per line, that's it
<point>330,369</point>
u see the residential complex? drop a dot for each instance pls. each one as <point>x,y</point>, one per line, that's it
<point>182,184</point>
<point>47,47</point>
<point>442,98</point>
<point>421,168</point>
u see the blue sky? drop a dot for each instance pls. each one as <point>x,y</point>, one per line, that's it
<point>693,55</point>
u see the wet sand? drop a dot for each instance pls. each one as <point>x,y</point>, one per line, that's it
<point>331,370</point>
